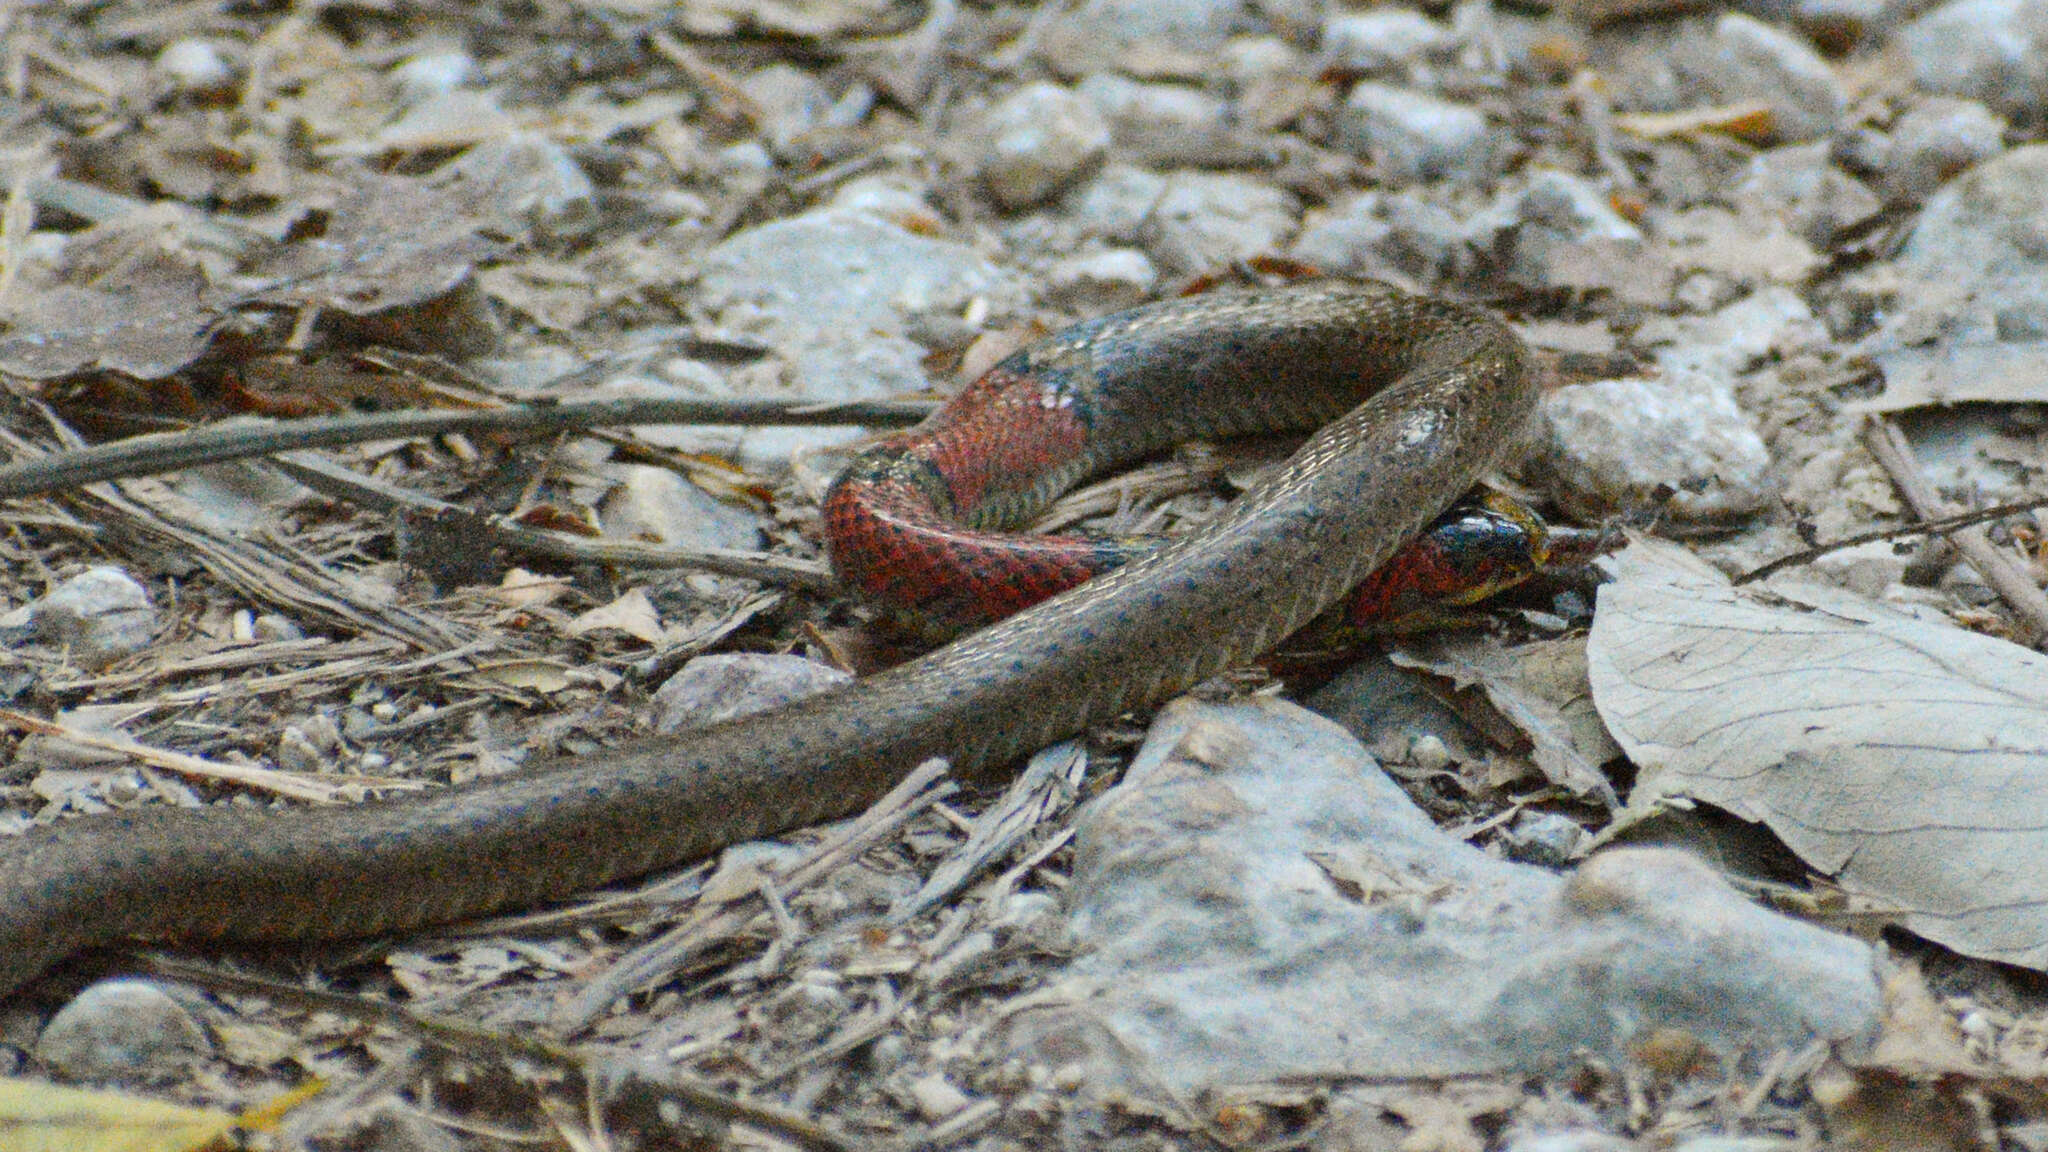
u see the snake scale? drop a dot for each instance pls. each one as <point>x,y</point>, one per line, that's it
<point>1414,396</point>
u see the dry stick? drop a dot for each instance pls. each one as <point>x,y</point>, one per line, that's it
<point>296,785</point>
<point>1929,528</point>
<point>166,452</point>
<point>658,958</point>
<point>471,1039</point>
<point>333,480</point>
<point>2012,582</point>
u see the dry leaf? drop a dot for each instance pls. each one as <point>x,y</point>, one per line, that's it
<point>390,243</point>
<point>36,1117</point>
<point>1906,758</point>
<point>146,318</point>
<point>632,614</point>
<point>40,1117</point>
<point>1541,689</point>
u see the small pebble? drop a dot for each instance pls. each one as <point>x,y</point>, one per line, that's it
<point>1545,839</point>
<point>1036,142</point>
<point>1939,139</point>
<point>1381,39</point>
<point>936,1098</point>
<point>195,65</point>
<point>1429,753</point>
<point>1101,282</point>
<point>101,615</point>
<point>1805,96</point>
<point>127,1031</point>
<point>1207,220</point>
<point>432,74</point>
<point>1164,124</point>
<point>1412,136</point>
<point>1995,51</point>
<point>719,687</point>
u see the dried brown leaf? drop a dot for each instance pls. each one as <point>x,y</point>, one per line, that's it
<point>1904,757</point>
<point>148,321</point>
<point>392,242</point>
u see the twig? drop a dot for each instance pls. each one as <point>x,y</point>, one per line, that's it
<point>296,785</point>
<point>2012,583</point>
<point>475,1040</point>
<point>267,574</point>
<point>169,451</point>
<point>657,958</point>
<point>1050,778</point>
<point>332,479</point>
<point>1941,526</point>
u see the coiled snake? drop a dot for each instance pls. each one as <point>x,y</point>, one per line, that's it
<point>1415,398</point>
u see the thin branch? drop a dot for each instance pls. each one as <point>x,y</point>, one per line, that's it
<point>1902,532</point>
<point>170,451</point>
<point>342,483</point>
<point>2013,584</point>
<point>476,1040</point>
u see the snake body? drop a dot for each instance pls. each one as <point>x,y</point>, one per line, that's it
<point>1415,398</point>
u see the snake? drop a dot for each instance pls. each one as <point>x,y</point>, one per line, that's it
<point>1412,398</point>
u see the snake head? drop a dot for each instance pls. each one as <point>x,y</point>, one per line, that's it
<point>1480,548</point>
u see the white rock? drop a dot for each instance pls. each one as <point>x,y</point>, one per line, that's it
<point>1377,233</point>
<point>1937,139</point>
<point>1805,95</point>
<point>431,74</point>
<point>719,687</point>
<point>936,1097</point>
<point>101,615</point>
<point>1036,142</point>
<point>1983,238</point>
<point>1116,204</point>
<point>1801,185</point>
<point>195,65</point>
<point>651,504</point>
<point>122,1031</point>
<point>1104,281</point>
<point>1381,39</point>
<point>836,293</point>
<point>1614,446</point>
<point>1206,220</point>
<point>1257,902</point>
<point>1102,34</point>
<point>1409,135</point>
<point>1994,51</point>
<point>1562,202</point>
<point>535,177</point>
<point>1164,124</point>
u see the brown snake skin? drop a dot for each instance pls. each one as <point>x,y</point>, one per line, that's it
<point>1444,389</point>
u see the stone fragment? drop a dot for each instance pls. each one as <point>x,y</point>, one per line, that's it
<point>122,1031</point>
<point>722,686</point>
<point>1036,141</point>
<point>1381,39</point>
<point>1256,903</point>
<point>1938,139</point>
<point>1207,220</point>
<point>1678,441</point>
<point>1805,96</point>
<point>654,505</point>
<point>1100,282</point>
<point>1991,51</point>
<point>1410,136</point>
<point>99,615</point>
